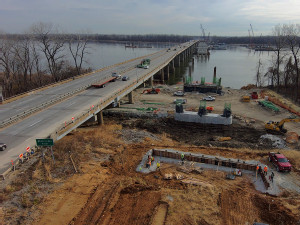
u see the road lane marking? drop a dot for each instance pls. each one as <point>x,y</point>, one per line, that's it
<point>72,103</point>
<point>35,123</point>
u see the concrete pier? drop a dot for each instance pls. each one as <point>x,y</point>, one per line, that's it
<point>210,118</point>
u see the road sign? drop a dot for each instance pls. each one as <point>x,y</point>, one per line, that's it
<point>44,142</point>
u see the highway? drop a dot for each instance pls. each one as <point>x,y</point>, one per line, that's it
<point>41,124</point>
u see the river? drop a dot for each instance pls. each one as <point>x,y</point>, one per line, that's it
<point>236,66</point>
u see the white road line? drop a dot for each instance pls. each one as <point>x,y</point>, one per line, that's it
<point>72,103</point>
<point>35,123</point>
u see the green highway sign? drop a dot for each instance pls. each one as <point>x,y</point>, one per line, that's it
<point>44,142</point>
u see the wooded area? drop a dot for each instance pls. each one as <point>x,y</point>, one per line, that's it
<point>37,57</point>
<point>283,75</point>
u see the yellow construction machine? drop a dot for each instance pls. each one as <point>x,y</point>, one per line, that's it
<point>278,126</point>
<point>245,98</point>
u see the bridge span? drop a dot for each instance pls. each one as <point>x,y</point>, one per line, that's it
<point>56,111</point>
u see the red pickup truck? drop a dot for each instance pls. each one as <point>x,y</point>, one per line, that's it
<point>280,162</point>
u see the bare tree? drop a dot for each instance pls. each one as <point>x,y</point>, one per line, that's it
<point>78,48</point>
<point>52,45</point>
<point>258,78</point>
<point>280,43</point>
<point>293,42</point>
<point>36,65</point>
<point>7,64</point>
<point>23,58</point>
<point>289,75</point>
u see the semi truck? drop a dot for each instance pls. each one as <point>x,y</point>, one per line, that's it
<point>144,64</point>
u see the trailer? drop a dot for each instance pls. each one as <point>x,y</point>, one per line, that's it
<point>102,84</point>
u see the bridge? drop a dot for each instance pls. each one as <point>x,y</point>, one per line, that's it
<point>54,111</point>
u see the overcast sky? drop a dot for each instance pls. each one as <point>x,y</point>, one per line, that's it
<point>219,17</point>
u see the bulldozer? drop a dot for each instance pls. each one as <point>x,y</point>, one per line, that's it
<point>277,127</point>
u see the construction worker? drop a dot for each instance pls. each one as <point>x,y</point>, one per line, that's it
<point>259,170</point>
<point>152,158</point>
<point>272,176</point>
<point>265,170</point>
<point>182,158</point>
<point>158,165</point>
<point>257,167</point>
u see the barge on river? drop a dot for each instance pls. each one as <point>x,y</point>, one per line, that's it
<point>203,87</point>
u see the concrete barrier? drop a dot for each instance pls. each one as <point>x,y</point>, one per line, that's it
<point>208,160</point>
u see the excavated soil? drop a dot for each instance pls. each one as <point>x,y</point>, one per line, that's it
<point>106,189</point>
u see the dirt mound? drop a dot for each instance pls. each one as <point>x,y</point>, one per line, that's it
<point>249,87</point>
<point>273,212</point>
<point>136,188</point>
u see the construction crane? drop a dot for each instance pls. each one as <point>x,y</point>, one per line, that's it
<point>252,44</point>
<point>277,127</point>
<point>203,31</point>
<point>252,30</point>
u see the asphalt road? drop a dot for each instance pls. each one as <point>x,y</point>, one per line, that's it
<point>40,124</point>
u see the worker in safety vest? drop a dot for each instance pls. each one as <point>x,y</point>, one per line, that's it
<point>265,170</point>
<point>182,157</point>
<point>157,165</point>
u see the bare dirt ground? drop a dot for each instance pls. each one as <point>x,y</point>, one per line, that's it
<point>107,189</point>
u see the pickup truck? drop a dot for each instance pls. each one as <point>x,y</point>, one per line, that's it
<point>280,162</point>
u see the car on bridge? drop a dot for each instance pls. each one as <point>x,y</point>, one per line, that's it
<point>125,78</point>
<point>2,146</point>
<point>115,74</point>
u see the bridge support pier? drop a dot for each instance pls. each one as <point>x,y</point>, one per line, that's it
<point>151,81</point>
<point>173,66</point>
<point>162,73</point>
<point>130,98</point>
<point>100,118</point>
<point>178,60</point>
<point>168,72</point>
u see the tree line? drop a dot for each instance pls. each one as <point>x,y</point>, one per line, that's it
<point>38,57</point>
<point>284,74</point>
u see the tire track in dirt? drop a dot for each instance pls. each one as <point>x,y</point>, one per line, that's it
<point>96,206</point>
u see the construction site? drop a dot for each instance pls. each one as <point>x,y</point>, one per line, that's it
<point>167,161</point>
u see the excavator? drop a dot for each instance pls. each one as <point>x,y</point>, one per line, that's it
<point>277,127</point>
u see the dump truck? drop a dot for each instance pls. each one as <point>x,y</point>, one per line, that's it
<point>277,127</point>
<point>280,162</point>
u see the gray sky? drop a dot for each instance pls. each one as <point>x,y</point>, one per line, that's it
<point>219,17</point>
